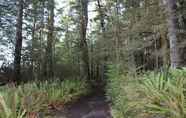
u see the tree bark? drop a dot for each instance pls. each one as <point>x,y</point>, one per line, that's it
<point>117,34</point>
<point>18,45</point>
<point>101,15</point>
<point>165,49</point>
<point>50,40</point>
<point>102,63</point>
<point>175,56</point>
<point>42,58</point>
<point>33,40</point>
<point>85,70</point>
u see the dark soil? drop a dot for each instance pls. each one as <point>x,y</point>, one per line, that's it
<point>92,106</point>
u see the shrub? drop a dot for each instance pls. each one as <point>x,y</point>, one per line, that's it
<point>165,94</point>
<point>150,95</point>
<point>32,98</point>
<point>122,90</point>
<point>10,105</point>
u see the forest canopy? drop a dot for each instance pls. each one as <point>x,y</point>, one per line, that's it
<point>55,38</point>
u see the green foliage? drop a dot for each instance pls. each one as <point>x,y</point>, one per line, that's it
<point>150,95</point>
<point>165,93</point>
<point>64,91</point>
<point>121,90</point>
<point>10,105</point>
<point>18,102</point>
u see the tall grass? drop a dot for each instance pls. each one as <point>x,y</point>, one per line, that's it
<point>32,98</point>
<point>149,95</point>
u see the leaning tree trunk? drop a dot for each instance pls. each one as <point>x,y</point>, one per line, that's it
<point>175,56</point>
<point>18,45</point>
<point>50,40</point>
<point>85,70</point>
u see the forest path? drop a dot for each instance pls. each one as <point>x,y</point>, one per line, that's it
<point>92,106</point>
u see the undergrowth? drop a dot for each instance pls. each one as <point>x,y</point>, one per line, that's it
<point>31,99</point>
<point>151,95</point>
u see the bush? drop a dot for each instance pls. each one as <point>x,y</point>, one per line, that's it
<point>122,90</point>
<point>65,91</point>
<point>150,95</point>
<point>10,105</point>
<point>32,98</point>
<point>165,94</point>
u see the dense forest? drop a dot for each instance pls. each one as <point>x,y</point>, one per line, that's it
<point>123,58</point>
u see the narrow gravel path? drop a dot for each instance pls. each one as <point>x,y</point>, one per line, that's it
<point>92,106</point>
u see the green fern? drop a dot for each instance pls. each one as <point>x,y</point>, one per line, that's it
<point>10,105</point>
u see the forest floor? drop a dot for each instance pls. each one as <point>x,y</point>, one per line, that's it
<point>94,105</point>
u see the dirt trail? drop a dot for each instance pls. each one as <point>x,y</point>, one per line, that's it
<point>92,106</point>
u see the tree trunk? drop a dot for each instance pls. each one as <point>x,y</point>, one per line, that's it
<point>41,43</point>
<point>42,58</point>
<point>33,40</point>
<point>117,34</point>
<point>165,49</point>
<point>85,70</point>
<point>175,56</point>
<point>101,15</point>
<point>18,45</point>
<point>50,40</point>
<point>102,24</point>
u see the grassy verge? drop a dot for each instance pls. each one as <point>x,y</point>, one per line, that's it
<point>150,95</point>
<point>30,99</point>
